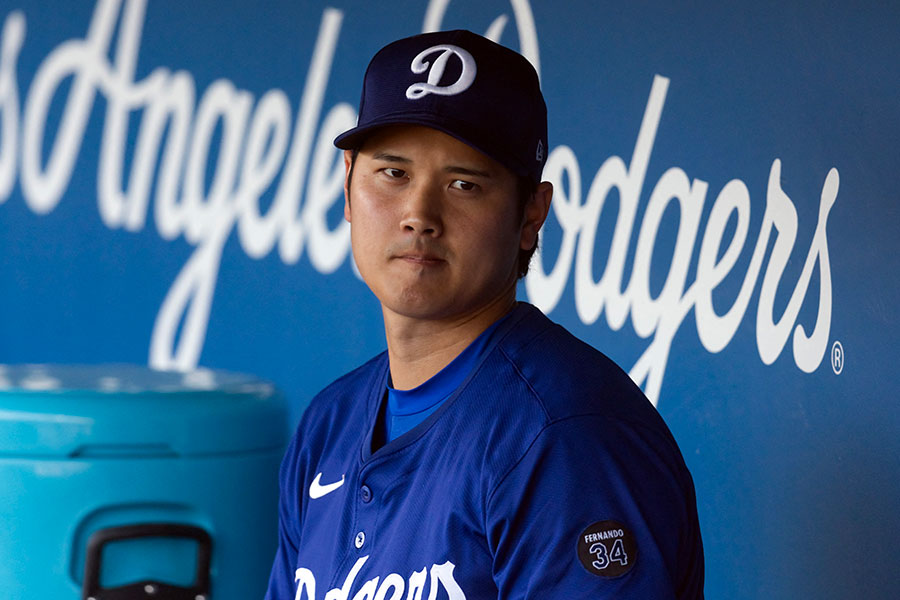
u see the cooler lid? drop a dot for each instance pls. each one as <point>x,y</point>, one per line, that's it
<point>129,410</point>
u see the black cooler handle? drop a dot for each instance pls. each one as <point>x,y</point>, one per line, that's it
<point>146,590</point>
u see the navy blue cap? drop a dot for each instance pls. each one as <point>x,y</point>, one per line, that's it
<point>463,84</point>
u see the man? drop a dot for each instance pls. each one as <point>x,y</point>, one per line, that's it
<point>487,453</point>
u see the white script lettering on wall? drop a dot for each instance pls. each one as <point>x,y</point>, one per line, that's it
<point>661,317</point>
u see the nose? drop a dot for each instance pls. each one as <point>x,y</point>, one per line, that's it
<point>422,211</point>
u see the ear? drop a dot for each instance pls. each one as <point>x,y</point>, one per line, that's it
<point>348,164</point>
<point>535,214</point>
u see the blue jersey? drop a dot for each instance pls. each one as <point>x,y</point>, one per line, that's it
<point>547,474</point>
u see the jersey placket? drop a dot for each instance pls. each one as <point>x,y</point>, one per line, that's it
<point>368,487</point>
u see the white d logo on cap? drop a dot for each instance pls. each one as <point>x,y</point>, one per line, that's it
<point>420,65</point>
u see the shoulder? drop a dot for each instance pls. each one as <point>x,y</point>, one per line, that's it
<point>584,400</point>
<point>566,375</point>
<point>589,443</point>
<point>547,388</point>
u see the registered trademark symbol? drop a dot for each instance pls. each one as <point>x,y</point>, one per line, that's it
<point>837,358</point>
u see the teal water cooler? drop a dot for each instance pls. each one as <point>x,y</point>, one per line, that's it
<point>123,483</point>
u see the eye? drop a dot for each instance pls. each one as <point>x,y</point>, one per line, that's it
<point>393,173</point>
<point>464,186</point>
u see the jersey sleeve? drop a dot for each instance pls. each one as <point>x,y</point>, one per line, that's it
<point>596,508</point>
<point>281,579</point>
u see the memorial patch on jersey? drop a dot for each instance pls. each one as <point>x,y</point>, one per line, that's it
<point>607,549</point>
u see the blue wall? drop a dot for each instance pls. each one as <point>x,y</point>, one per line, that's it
<point>725,227</point>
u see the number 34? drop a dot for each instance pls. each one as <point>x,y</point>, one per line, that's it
<point>604,556</point>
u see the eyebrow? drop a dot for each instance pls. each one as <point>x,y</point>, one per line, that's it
<point>385,156</point>
<point>450,169</point>
<point>454,170</point>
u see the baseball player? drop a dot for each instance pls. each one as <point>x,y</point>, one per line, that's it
<point>487,453</point>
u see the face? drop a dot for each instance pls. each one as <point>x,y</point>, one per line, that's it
<point>435,225</point>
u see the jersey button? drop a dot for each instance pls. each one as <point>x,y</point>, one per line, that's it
<point>360,540</point>
<point>365,493</point>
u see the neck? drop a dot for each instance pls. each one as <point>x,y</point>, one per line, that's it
<point>418,349</point>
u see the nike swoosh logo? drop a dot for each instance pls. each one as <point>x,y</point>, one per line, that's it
<point>316,490</point>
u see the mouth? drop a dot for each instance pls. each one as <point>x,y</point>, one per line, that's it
<point>419,257</point>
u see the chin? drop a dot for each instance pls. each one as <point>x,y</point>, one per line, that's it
<point>414,304</point>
